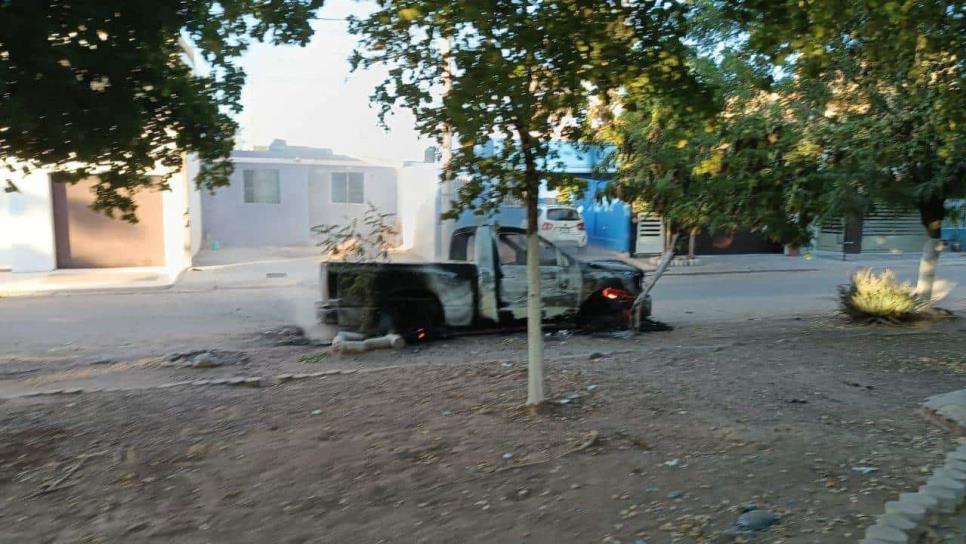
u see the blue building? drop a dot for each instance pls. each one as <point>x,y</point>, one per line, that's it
<point>954,229</point>
<point>608,223</point>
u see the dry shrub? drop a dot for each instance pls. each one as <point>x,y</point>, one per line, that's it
<point>351,243</point>
<point>881,297</point>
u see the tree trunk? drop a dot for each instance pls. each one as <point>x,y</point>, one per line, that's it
<point>932,214</point>
<point>534,306</point>
<point>927,268</point>
<point>535,384</point>
<point>691,242</point>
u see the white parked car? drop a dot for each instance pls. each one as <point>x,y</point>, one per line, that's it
<point>562,225</point>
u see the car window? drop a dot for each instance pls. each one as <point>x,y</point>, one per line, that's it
<point>563,214</point>
<point>548,254</point>
<point>513,250</point>
<point>463,247</point>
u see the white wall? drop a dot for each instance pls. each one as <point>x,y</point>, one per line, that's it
<point>27,242</point>
<point>177,224</point>
<point>27,226</point>
<point>305,200</point>
<point>195,219</point>
<point>6,251</point>
<point>417,212</point>
<point>231,221</point>
<point>379,190</point>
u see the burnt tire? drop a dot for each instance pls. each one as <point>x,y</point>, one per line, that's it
<point>601,314</point>
<point>415,320</point>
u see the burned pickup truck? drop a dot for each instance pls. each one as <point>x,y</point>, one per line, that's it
<point>482,286</point>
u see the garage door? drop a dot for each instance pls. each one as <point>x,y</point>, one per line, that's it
<point>87,239</point>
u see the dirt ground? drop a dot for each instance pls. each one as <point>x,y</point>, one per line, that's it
<point>665,437</point>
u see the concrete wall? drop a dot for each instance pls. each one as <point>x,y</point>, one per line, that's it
<point>230,221</point>
<point>418,209</point>
<point>27,226</point>
<point>181,226</point>
<point>305,200</point>
<point>874,244</point>
<point>380,191</point>
<point>195,218</point>
<point>893,244</point>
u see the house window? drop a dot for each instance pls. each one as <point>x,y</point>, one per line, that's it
<point>261,187</point>
<point>348,188</point>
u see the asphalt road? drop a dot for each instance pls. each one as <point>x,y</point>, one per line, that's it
<point>111,324</point>
<point>684,298</point>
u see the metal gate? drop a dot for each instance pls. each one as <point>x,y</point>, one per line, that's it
<point>650,233</point>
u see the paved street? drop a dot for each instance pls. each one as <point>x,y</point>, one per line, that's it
<point>683,298</point>
<point>197,312</point>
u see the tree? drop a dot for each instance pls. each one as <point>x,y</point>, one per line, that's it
<point>749,160</point>
<point>896,96</point>
<point>768,164</point>
<point>654,148</point>
<point>99,86</point>
<point>523,74</point>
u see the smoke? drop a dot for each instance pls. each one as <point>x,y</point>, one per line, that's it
<point>303,313</point>
<point>941,290</point>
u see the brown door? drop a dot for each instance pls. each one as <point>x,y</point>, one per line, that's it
<point>88,239</point>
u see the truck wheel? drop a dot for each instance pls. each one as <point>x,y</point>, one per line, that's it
<point>599,313</point>
<point>417,320</point>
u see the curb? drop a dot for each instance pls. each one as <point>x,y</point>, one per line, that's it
<point>944,493</point>
<point>278,379</point>
<point>948,411</point>
<point>103,290</point>
<point>242,381</point>
<point>906,519</point>
<point>147,289</point>
<point>748,271</point>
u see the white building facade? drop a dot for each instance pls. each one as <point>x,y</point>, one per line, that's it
<point>47,226</point>
<point>276,195</point>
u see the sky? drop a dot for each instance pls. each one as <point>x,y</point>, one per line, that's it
<point>308,96</point>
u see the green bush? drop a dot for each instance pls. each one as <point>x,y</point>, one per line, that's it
<point>880,297</point>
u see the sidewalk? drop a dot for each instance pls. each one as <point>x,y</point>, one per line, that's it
<point>235,268</point>
<point>226,268</point>
<point>84,279</point>
<point>761,263</point>
<point>250,268</point>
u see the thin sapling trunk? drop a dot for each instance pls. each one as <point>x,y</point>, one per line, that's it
<point>535,393</point>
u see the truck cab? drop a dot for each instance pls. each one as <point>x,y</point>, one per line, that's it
<point>500,255</point>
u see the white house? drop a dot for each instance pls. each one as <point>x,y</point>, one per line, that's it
<point>277,194</point>
<point>47,226</point>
